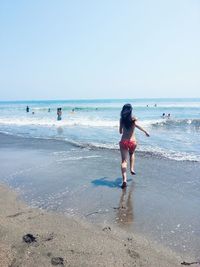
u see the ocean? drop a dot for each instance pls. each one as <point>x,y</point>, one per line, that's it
<point>94,123</point>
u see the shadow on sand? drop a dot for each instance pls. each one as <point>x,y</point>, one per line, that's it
<point>109,183</point>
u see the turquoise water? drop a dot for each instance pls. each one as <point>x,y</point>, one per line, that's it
<point>94,123</point>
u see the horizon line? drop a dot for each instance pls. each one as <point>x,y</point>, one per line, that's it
<point>99,99</point>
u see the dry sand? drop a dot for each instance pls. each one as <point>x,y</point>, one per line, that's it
<point>78,243</point>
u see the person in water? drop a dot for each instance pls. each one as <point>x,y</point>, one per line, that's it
<point>59,114</point>
<point>128,143</point>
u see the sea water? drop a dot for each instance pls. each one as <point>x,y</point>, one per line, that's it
<point>94,123</point>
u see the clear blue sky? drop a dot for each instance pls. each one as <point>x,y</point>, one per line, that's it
<point>69,49</point>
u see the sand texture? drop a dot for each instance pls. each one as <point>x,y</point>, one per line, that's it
<point>63,241</point>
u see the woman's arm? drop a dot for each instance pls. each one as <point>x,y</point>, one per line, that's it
<point>120,127</point>
<point>141,129</point>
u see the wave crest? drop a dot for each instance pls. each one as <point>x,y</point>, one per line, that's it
<point>178,123</point>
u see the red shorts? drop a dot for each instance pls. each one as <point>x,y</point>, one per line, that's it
<point>129,145</point>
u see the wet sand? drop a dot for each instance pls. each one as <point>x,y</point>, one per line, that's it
<point>68,240</point>
<point>158,213</point>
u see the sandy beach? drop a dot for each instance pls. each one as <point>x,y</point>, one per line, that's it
<point>75,242</point>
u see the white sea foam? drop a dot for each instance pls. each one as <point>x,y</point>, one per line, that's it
<point>170,154</point>
<point>52,122</point>
<point>154,150</point>
<point>178,123</point>
<point>92,122</point>
<point>67,158</point>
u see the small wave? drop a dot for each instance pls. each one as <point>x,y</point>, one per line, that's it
<point>141,149</point>
<point>76,158</point>
<point>65,122</point>
<point>178,123</point>
<point>169,154</point>
<point>92,145</point>
<point>88,121</point>
<point>153,151</point>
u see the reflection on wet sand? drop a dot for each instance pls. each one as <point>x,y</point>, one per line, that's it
<point>60,130</point>
<point>125,214</point>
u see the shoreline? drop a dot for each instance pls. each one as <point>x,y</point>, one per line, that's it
<point>78,243</point>
<point>143,153</point>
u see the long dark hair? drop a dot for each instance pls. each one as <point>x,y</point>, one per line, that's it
<point>126,116</point>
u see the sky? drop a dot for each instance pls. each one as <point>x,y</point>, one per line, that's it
<point>88,49</point>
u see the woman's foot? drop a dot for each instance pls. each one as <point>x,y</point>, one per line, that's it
<point>133,172</point>
<point>124,184</point>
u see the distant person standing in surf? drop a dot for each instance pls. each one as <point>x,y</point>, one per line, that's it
<point>128,143</point>
<point>59,114</point>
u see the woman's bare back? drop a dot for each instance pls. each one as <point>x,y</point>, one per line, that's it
<point>127,134</point>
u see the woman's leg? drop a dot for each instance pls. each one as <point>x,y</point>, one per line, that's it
<point>124,155</point>
<point>132,163</point>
